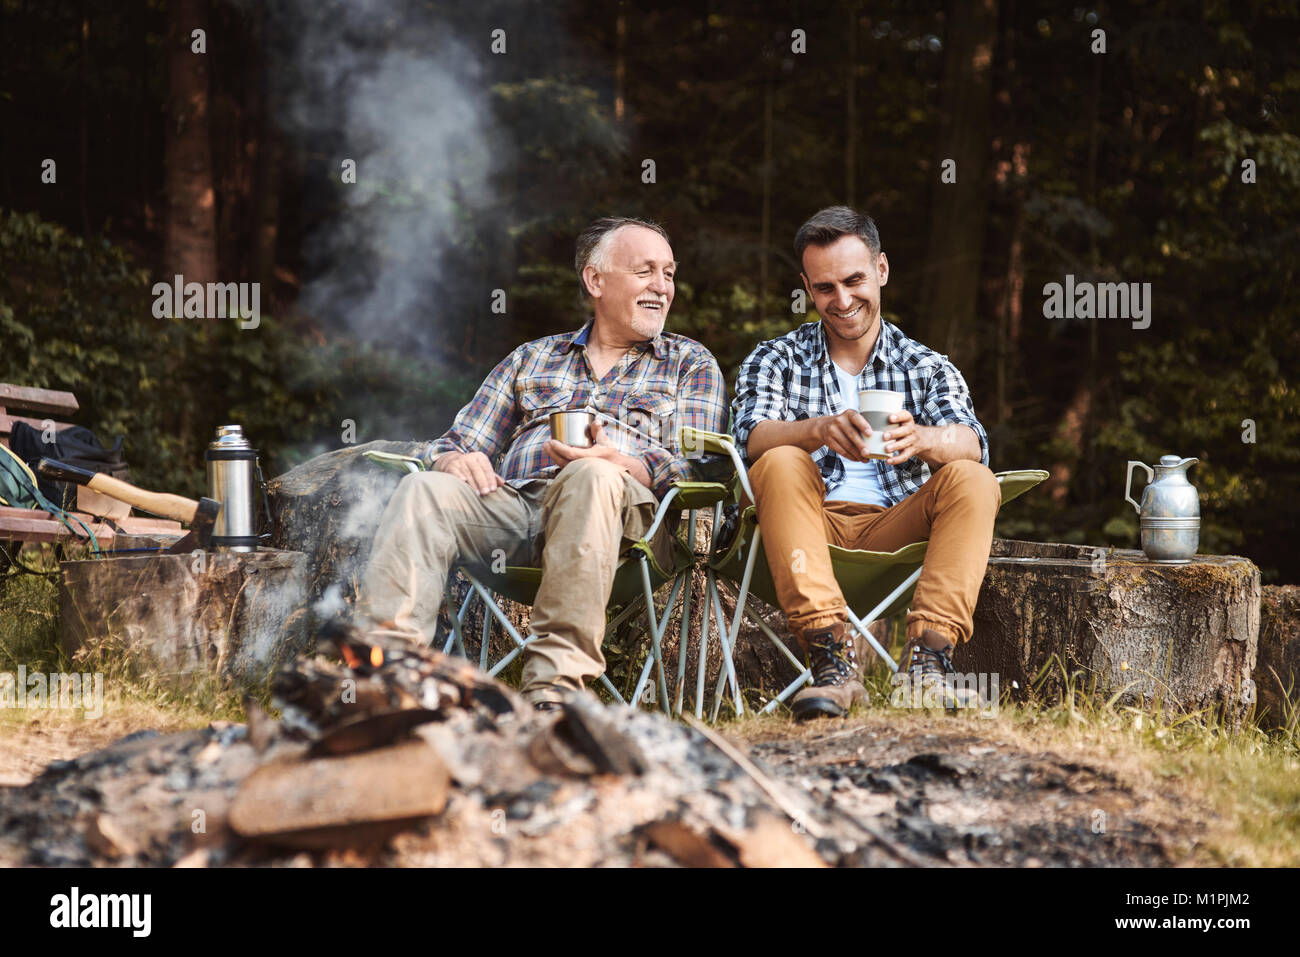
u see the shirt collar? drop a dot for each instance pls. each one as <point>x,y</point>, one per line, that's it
<point>815,347</point>
<point>578,340</point>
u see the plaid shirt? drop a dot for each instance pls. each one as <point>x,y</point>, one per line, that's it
<point>657,385</point>
<point>791,378</point>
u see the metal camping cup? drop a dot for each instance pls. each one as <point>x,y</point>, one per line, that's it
<point>231,464</point>
<point>876,406</point>
<point>1170,511</point>
<point>571,428</point>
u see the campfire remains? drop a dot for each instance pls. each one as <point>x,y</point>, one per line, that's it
<point>403,755</point>
<point>400,756</point>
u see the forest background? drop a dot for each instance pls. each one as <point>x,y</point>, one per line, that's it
<point>1130,142</point>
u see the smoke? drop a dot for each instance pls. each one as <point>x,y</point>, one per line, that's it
<point>331,604</point>
<point>384,85</point>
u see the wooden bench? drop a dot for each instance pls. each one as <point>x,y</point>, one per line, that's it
<point>39,404</point>
<point>37,407</point>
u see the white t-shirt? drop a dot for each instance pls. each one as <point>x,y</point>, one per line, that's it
<point>861,482</point>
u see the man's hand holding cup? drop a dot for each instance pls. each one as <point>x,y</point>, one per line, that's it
<point>846,434</point>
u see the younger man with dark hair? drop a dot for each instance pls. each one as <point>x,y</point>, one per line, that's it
<point>797,423</point>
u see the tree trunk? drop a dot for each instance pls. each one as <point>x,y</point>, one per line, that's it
<point>266,217</point>
<point>1010,314</point>
<point>1277,674</point>
<point>1178,636</point>
<point>1011,177</point>
<point>1069,435</point>
<point>958,210</point>
<point>1087,440</point>
<point>765,218</point>
<point>83,70</point>
<point>191,243</point>
<point>620,61</point>
<point>851,111</point>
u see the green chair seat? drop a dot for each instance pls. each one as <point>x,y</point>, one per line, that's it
<point>519,583</point>
<point>859,572</point>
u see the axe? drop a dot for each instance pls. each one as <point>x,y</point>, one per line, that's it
<point>200,515</point>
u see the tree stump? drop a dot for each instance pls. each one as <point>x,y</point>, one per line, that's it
<point>187,620</point>
<point>329,507</point>
<point>1277,673</point>
<point>1184,635</point>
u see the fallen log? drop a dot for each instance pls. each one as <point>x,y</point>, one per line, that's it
<point>356,799</point>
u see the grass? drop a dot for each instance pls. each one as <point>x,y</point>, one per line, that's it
<point>29,637</point>
<point>1248,776</point>
<point>29,625</point>
<point>126,709</point>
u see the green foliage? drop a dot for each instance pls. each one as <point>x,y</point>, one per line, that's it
<point>78,315</point>
<point>75,315</point>
<point>1132,167</point>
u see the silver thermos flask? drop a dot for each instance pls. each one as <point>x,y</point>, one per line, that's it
<point>231,464</point>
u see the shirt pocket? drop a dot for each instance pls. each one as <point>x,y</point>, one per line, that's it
<point>653,415</point>
<point>542,401</point>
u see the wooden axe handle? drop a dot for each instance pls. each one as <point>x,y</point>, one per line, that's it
<point>175,507</point>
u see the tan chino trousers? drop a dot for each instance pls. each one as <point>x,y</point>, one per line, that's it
<point>954,510</point>
<point>576,526</point>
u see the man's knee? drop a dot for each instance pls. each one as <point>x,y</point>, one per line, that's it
<point>781,462</point>
<point>588,484</point>
<point>973,479</point>
<point>591,471</point>
<point>432,489</point>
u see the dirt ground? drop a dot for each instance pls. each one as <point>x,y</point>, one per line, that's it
<point>28,745</point>
<point>915,790</point>
<point>25,749</point>
<point>969,793</point>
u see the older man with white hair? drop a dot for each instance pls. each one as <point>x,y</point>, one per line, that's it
<point>502,489</point>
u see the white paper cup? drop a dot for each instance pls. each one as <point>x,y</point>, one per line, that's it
<point>876,405</point>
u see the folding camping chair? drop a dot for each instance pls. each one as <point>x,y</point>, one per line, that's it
<point>637,579</point>
<point>882,581</point>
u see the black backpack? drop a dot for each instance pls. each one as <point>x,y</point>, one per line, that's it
<point>75,445</point>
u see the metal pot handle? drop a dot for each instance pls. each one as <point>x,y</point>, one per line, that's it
<point>1128,483</point>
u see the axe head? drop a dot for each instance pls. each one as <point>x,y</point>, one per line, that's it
<point>200,533</point>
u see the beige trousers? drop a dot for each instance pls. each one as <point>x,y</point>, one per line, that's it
<point>954,510</point>
<point>575,526</point>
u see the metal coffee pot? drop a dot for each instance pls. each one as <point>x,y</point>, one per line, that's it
<point>1170,511</point>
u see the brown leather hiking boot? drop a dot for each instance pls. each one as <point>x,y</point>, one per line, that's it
<point>929,680</point>
<point>837,679</point>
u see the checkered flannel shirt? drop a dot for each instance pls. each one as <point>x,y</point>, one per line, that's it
<point>657,385</point>
<point>791,378</point>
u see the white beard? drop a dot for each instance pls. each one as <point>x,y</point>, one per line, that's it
<point>646,327</point>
